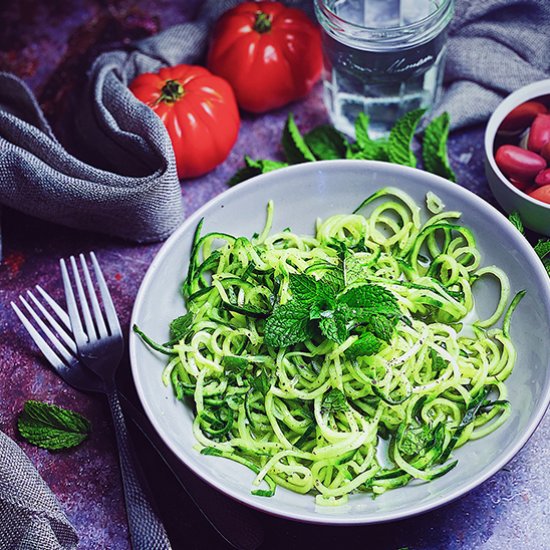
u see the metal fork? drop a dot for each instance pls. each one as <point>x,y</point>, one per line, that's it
<point>100,347</point>
<point>235,524</point>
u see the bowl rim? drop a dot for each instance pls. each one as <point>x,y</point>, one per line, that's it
<point>263,180</point>
<point>510,102</point>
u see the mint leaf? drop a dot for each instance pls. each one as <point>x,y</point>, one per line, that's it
<point>303,287</point>
<point>243,174</point>
<point>382,327</point>
<point>366,344</point>
<point>434,148</point>
<point>542,248</point>
<point>52,427</point>
<point>335,401</point>
<point>294,145</point>
<point>515,220</point>
<point>326,143</point>
<point>334,278</point>
<point>355,269</point>
<point>264,165</point>
<point>254,168</point>
<point>181,326</point>
<point>401,135</point>
<point>289,324</point>
<point>372,306</point>
<point>366,148</point>
<point>307,290</point>
<point>374,298</point>
<point>333,326</point>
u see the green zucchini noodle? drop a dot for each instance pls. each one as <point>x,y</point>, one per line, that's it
<point>323,415</point>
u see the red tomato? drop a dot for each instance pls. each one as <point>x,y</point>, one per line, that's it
<point>518,163</point>
<point>539,134</point>
<point>543,178</point>
<point>519,118</point>
<point>199,111</point>
<point>541,194</point>
<point>269,53</point>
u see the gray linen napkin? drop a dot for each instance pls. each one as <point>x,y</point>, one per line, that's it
<point>495,47</point>
<point>30,515</point>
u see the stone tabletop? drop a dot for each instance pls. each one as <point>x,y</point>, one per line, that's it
<point>49,44</point>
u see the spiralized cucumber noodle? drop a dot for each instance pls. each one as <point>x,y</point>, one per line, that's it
<point>312,416</point>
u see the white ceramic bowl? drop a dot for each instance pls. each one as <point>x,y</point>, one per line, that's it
<point>302,193</point>
<point>534,214</point>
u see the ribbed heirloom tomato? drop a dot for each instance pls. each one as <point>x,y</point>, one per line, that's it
<point>270,54</point>
<point>199,111</point>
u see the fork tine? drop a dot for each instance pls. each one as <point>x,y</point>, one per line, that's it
<point>57,327</point>
<point>110,311</point>
<point>60,312</point>
<point>84,307</point>
<point>100,323</point>
<point>43,346</point>
<point>76,323</point>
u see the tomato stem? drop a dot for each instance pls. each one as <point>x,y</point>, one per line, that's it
<point>171,92</point>
<point>262,23</point>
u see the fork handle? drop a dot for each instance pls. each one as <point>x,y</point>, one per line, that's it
<point>146,529</point>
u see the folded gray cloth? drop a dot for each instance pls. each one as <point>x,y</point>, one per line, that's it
<point>132,189</point>
<point>30,515</point>
<point>495,47</point>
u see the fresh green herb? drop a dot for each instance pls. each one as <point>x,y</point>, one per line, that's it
<point>401,135</point>
<point>52,427</point>
<point>294,145</point>
<point>366,148</point>
<point>516,222</point>
<point>254,168</point>
<point>542,248</point>
<point>326,143</point>
<point>434,148</point>
<point>366,344</point>
<point>335,401</point>
<point>315,302</point>
<point>181,326</point>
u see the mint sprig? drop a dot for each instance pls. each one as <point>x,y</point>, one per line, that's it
<point>515,220</point>
<point>294,145</point>
<point>366,148</point>
<point>542,248</point>
<point>434,147</point>
<point>254,168</point>
<point>325,142</point>
<point>401,135</point>
<point>316,307</point>
<point>52,427</point>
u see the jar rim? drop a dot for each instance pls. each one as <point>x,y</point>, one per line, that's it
<point>327,12</point>
<point>381,39</point>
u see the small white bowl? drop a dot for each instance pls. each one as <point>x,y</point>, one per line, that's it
<point>534,214</point>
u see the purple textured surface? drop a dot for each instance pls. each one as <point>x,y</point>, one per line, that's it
<point>48,43</point>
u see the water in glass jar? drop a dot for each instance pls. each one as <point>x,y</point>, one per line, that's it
<point>382,83</point>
